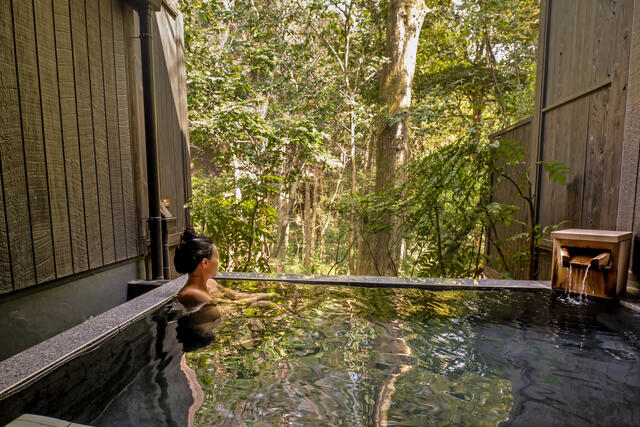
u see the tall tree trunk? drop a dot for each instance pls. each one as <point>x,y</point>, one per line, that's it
<point>284,217</point>
<point>352,220</point>
<point>237,174</point>
<point>308,232</point>
<point>314,209</point>
<point>380,251</point>
<point>317,206</point>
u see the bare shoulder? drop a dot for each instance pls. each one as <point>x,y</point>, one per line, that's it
<point>188,295</point>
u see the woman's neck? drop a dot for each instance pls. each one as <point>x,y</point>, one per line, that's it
<point>198,281</point>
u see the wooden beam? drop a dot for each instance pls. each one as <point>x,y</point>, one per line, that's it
<point>578,95</point>
<point>513,127</point>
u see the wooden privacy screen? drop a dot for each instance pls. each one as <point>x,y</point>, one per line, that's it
<point>505,192</point>
<point>66,194</point>
<point>579,116</point>
<point>171,110</point>
<point>580,109</point>
<point>171,114</point>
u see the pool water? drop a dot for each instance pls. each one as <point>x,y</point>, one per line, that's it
<point>315,355</point>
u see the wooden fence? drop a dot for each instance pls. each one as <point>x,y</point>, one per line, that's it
<point>72,165</point>
<point>579,116</point>
<point>501,242</point>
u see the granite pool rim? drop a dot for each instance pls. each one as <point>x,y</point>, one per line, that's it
<point>27,367</point>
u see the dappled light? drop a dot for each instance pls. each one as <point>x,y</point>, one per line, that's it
<point>350,137</point>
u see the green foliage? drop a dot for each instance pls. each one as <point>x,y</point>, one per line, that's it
<point>236,225</point>
<point>557,171</point>
<point>282,91</point>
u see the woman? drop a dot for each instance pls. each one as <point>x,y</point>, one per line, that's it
<point>197,256</point>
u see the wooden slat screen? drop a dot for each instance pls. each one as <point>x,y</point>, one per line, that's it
<point>66,196</point>
<point>579,117</point>
<point>587,46</point>
<point>505,192</point>
<point>171,113</point>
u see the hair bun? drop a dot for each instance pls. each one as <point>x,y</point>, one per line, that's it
<point>188,234</point>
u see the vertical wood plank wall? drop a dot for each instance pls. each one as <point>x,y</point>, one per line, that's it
<point>583,106</point>
<point>584,53</point>
<point>66,196</point>
<point>505,192</point>
<point>16,224</point>
<point>170,81</point>
<point>29,94</point>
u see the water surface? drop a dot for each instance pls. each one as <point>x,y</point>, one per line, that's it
<point>352,356</point>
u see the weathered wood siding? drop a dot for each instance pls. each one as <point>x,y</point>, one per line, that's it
<point>171,100</point>
<point>579,118</point>
<point>505,192</point>
<point>171,113</point>
<point>581,109</point>
<point>629,198</point>
<point>66,189</point>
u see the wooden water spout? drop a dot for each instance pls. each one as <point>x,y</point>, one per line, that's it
<point>590,262</point>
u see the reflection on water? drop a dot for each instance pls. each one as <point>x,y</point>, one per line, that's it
<point>346,356</point>
<point>369,357</point>
<point>166,392</point>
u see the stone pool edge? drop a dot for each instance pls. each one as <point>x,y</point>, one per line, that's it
<point>26,367</point>
<point>433,284</point>
<point>631,300</point>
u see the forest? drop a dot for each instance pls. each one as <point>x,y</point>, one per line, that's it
<point>352,136</point>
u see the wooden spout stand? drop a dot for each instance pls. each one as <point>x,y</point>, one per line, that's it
<point>601,256</point>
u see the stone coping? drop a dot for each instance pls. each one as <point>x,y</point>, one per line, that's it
<point>630,300</point>
<point>25,368</point>
<point>391,282</point>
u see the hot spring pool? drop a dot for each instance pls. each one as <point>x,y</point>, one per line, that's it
<point>322,355</point>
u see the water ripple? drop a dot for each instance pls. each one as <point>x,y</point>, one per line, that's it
<point>405,357</point>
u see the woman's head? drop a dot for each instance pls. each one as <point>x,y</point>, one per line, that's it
<point>196,251</point>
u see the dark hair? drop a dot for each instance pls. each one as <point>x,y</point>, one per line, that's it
<point>191,250</point>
